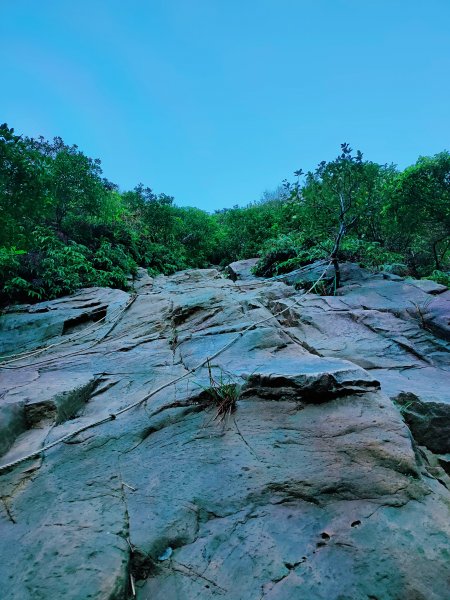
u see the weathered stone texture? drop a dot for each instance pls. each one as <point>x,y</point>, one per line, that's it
<point>312,488</point>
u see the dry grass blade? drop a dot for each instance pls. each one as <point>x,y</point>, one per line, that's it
<point>223,393</point>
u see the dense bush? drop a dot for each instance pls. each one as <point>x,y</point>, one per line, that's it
<point>351,209</point>
<point>63,226</point>
<point>286,253</point>
<point>440,277</point>
<point>53,268</point>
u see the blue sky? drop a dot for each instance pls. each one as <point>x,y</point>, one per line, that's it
<point>215,101</point>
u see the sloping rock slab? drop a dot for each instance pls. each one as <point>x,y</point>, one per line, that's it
<point>308,485</point>
<point>398,330</point>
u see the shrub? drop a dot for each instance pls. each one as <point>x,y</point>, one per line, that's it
<point>9,262</point>
<point>368,253</point>
<point>53,268</point>
<point>276,251</point>
<point>440,277</point>
<point>289,252</point>
<point>159,258</point>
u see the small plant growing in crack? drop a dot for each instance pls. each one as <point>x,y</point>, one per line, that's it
<point>222,393</point>
<point>421,310</point>
<point>403,407</point>
<point>321,288</point>
<point>173,340</point>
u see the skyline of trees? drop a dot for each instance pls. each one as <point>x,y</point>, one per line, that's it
<point>63,225</point>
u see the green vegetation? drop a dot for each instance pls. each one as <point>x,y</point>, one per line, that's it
<point>64,226</point>
<point>222,393</point>
<point>352,209</point>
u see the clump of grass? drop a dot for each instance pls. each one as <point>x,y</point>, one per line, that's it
<point>321,288</point>
<point>222,393</point>
<point>421,310</point>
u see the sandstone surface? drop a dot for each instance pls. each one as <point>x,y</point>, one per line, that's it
<point>311,486</point>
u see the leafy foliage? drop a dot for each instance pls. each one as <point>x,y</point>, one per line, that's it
<point>351,209</point>
<point>418,212</point>
<point>440,277</point>
<point>64,226</point>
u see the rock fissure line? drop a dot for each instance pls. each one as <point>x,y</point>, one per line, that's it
<point>4,361</point>
<point>5,365</point>
<point>111,417</point>
<point>314,477</point>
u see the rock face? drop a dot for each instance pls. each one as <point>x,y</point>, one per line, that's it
<point>397,330</point>
<point>290,475</point>
<point>242,269</point>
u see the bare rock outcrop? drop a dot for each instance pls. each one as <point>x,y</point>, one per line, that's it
<point>398,330</point>
<point>271,464</point>
<point>242,269</point>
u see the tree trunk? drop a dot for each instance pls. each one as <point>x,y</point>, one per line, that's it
<point>334,256</point>
<point>436,257</point>
<point>337,272</point>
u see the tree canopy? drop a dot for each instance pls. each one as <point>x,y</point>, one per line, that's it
<point>63,225</point>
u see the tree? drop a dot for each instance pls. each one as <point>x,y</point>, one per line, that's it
<point>76,188</point>
<point>333,199</point>
<point>245,230</point>
<point>23,187</point>
<point>420,209</point>
<point>156,212</point>
<point>198,232</point>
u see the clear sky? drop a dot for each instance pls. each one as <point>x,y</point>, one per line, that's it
<point>215,101</point>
